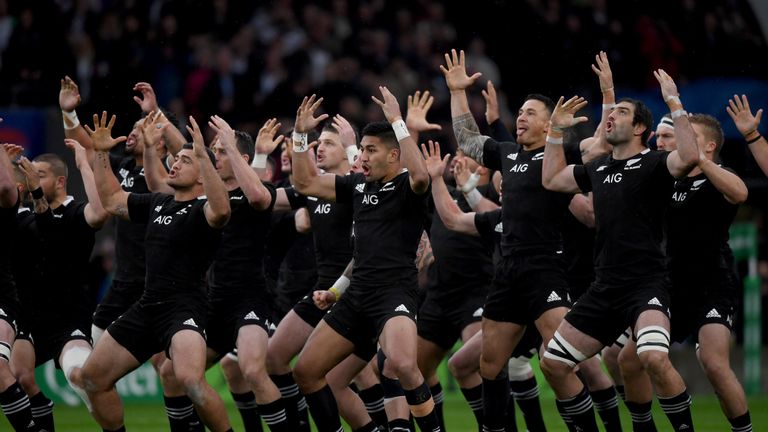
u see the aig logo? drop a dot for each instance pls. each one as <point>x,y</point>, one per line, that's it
<point>323,209</point>
<point>613,178</point>
<point>163,220</point>
<point>519,168</point>
<point>127,182</point>
<point>370,199</point>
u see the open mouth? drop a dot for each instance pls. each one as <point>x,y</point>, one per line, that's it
<point>608,126</point>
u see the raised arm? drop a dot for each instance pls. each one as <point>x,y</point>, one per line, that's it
<point>493,116</point>
<point>69,100</point>
<point>152,129</point>
<point>416,114</point>
<point>749,125</point>
<point>113,198</point>
<point>95,214</point>
<point>267,140</point>
<point>258,195</point>
<point>347,136</point>
<point>556,175</point>
<point>9,194</point>
<point>681,161</point>
<point>217,210</point>
<point>453,218</point>
<point>597,145</point>
<point>174,139</point>
<point>39,203</point>
<point>306,180</point>
<point>410,157</point>
<point>464,126</point>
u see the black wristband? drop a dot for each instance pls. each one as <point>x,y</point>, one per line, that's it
<point>37,193</point>
<point>755,139</point>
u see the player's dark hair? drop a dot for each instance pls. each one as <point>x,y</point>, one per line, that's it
<point>328,127</point>
<point>712,129</point>
<point>58,167</point>
<point>643,116</point>
<point>211,156</point>
<point>383,131</point>
<point>245,144</point>
<point>548,103</point>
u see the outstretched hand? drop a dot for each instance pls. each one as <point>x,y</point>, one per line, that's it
<point>492,112</point>
<point>33,178</point>
<point>69,95</point>
<point>455,72</point>
<point>563,114</point>
<point>345,130</point>
<point>12,150</point>
<point>224,132</point>
<point>668,87</point>
<point>148,100</point>
<point>153,128</point>
<point>742,117</point>
<point>603,71</point>
<point>198,145</point>
<point>389,105</point>
<point>305,115</point>
<point>268,138</point>
<point>418,107</point>
<point>435,163</point>
<point>101,134</point>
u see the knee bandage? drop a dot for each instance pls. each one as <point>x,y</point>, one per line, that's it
<point>70,359</point>
<point>622,340</point>
<point>652,338</point>
<point>96,333</point>
<point>5,351</point>
<point>559,349</point>
<point>519,368</point>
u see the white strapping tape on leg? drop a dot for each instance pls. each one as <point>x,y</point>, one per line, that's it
<point>559,349</point>
<point>652,338</point>
<point>96,333</point>
<point>519,368</point>
<point>70,359</point>
<point>5,351</point>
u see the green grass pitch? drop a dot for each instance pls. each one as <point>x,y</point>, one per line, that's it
<point>151,417</point>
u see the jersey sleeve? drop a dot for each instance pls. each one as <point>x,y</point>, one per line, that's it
<point>485,223</point>
<point>582,178</point>
<point>295,199</point>
<point>78,218</point>
<point>500,132</point>
<point>273,194</point>
<point>139,206</point>
<point>345,187</point>
<point>492,154</point>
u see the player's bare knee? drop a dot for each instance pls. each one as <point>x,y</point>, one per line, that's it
<point>460,368</point>
<point>229,367</point>
<point>255,372</point>
<point>26,379</point>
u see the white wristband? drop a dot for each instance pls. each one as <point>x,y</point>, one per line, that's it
<point>259,161</point>
<point>555,141</point>
<point>351,154</point>
<point>473,198</point>
<point>341,285</point>
<point>678,113</point>
<point>401,130</point>
<point>299,142</point>
<point>673,98</point>
<point>471,183</point>
<point>72,117</point>
<point>608,106</point>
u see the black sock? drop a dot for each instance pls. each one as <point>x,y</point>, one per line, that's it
<point>579,409</point>
<point>741,423</point>
<point>565,416</point>
<point>373,398</point>
<point>678,411</point>
<point>511,415</point>
<point>607,406</point>
<point>642,419</point>
<point>370,427</point>
<point>324,410</point>
<point>274,416</point>
<point>526,394</point>
<point>15,404</point>
<point>399,425</point>
<point>495,395</point>
<point>293,401</point>
<point>474,397</point>
<point>246,405</point>
<point>438,397</point>
<point>42,411</point>
<point>181,414</point>
<point>620,391</point>
<point>418,396</point>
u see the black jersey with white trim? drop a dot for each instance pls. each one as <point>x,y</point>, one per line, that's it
<point>237,268</point>
<point>388,221</point>
<point>698,221</point>
<point>129,236</point>
<point>490,226</point>
<point>180,245</point>
<point>532,215</point>
<point>8,229</point>
<point>331,231</point>
<point>630,198</point>
<point>27,258</point>
<point>461,261</point>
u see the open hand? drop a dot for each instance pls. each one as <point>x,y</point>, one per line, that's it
<point>668,86</point>
<point>69,95</point>
<point>563,115</point>
<point>603,71</point>
<point>456,72</point>
<point>742,116</point>
<point>435,163</point>
<point>389,105</point>
<point>345,130</point>
<point>492,112</point>
<point>101,135</point>
<point>148,100</point>
<point>418,107</point>
<point>305,115</point>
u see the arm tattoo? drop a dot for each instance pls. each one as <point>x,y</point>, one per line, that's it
<point>471,143</point>
<point>41,205</point>
<point>464,121</point>
<point>121,211</point>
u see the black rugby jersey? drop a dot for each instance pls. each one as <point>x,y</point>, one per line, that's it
<point>388,221</point>
<point>532,215</point>
<point>630,199</point>
<point>179,245</point>
<point>331,231</point>
<point>237,268</point>
<point>129,236</point>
